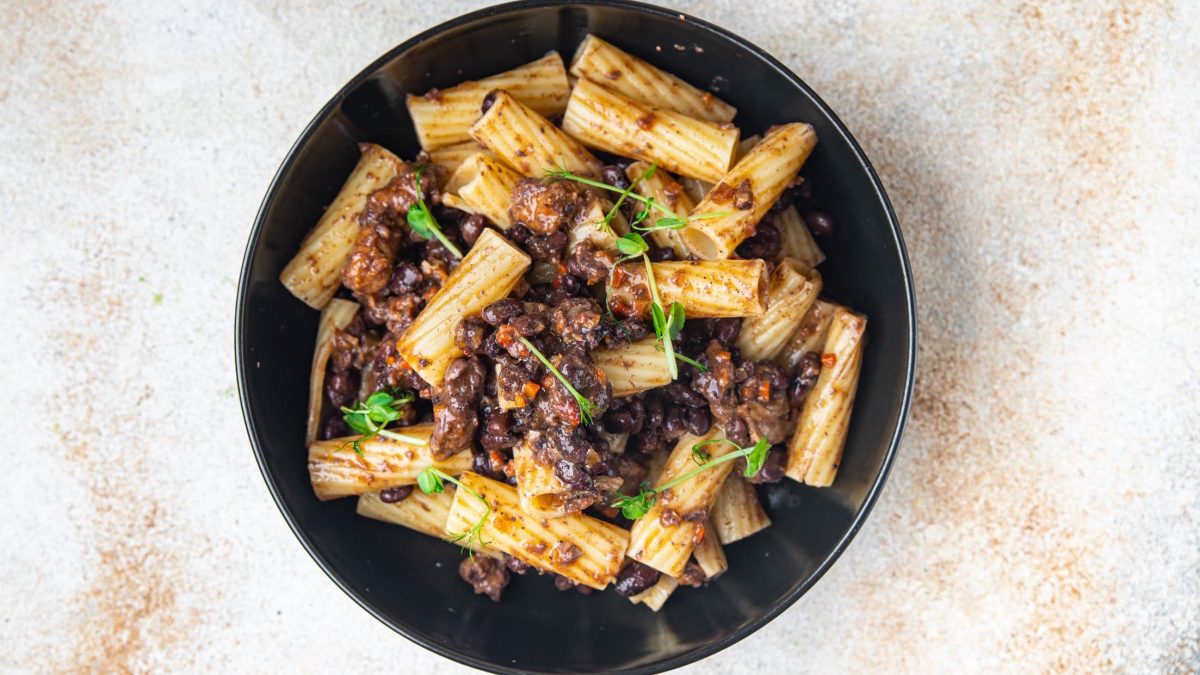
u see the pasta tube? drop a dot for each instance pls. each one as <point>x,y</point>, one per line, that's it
<point>634,367</point>
<point>708,553</point>
<point>796,242</point>
<point>541,492</point>
<point>486,274</point>
<point>528,142</point>
<point>816,448</point>
<point>809,336</point>
<point>737,514</point>
<point>443,117</point>
<point>337,315</point>
<point>484,185</point>
<point>667,191</point>
<point>335,470</point>
<point>705,288</point>
<point>665,537</point>
<point>656,596</point>
<point>583,549</point>
<point>452,156</point>
<point>789,296</point>
<point>754,183</point>
<point>425,513</point>
<point>599,61</point>
<point>315,272</point>
<point>603,119</point>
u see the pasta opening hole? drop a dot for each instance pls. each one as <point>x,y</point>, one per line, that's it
<point>701,244</point>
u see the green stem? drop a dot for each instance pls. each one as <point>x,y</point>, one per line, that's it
<point>411,440</point>
<point>668,348</point>
<point>585,406</point>
<point>740,452</point>
<point>612,188</point>
<point>437,232</point>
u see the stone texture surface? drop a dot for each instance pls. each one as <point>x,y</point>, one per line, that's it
<point>1044,514</point>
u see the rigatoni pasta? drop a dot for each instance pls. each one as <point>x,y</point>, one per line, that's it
<point>789,295</point>
<point>737,513</point>
<point>747,192</point>
<point>666,536</point>
<point>815,450</point>
<point>336,316</point>
<point>336,471</point>
<point>633,367</point>
<point>705,288</point>
<point>482,184</point>
<point>583,549</point>
<point>601,62</point>
<point>315,271</point>
<point>603,119</point>
<point>528,142</point>
<point>443,117</point>
<point>554,359</point>
<point>486,274</point>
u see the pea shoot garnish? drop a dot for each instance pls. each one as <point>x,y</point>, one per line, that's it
<point>370,417</point>
<point>636,506</point>
<point>586,408</point>
<point>431,482</point>
<point>669,220</point>
<point>421,220</point>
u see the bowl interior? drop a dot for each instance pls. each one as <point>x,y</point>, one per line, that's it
<point>410,581</point>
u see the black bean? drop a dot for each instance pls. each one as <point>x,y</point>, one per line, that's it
<point>342,388</point>
<point>333,427</point>
<point>786,198</point>
<point>469,335</point>
<point>698,421</point>
<point>515,565</point>
<point>673,423</point>
<point>821,224</point>
<point>471,227</point>
<point>726,331</point>
<point>527,326</point>
<point>654,412</point>
<point>635,578</point>
<point>772,469</point>
<point>619,421</point>
<point>502,311</point>
<point>572,475</point>
<point>498,422</point>
<point>548,248</point>
<point>804,191</point>
<point>614,176</point>
<point>737,431</point>
<point>488,101</point>
<point>765,243</point>
<point>638,410</point>
<point>807,372</point>
<point>682,394</point>
<point>662,254</point>
<point>498,441</point>
<point>395,494</point>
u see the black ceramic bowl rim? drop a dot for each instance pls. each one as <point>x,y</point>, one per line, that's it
<point>242,363</point>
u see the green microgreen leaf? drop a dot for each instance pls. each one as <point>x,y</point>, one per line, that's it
<point>675,320</point>
<point>586,408</point>
<point>370,417</point>
<point>692,362</point>
<point>560,173</point>
<point>632,244</point>
<point>421,220</point>
<point>637,506</point>
<point>431,481</point>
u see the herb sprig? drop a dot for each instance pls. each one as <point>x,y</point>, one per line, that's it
<point>431,481</point>
<point>667,322</point>
<point>421,219</point>
<point>669,220</point>
<point>586,408</point>
<point>370,417</point>
<point>636,506</point>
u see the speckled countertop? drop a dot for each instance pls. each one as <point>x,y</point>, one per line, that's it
<point>1044,513</point>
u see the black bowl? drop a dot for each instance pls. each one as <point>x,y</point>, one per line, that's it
<point>409,581</point>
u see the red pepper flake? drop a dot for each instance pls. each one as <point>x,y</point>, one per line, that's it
<point>828,360</point>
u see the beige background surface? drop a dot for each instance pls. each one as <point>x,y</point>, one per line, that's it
<point>1044,513</point>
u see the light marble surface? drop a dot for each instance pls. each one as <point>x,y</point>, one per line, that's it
<point>1043,515</point>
